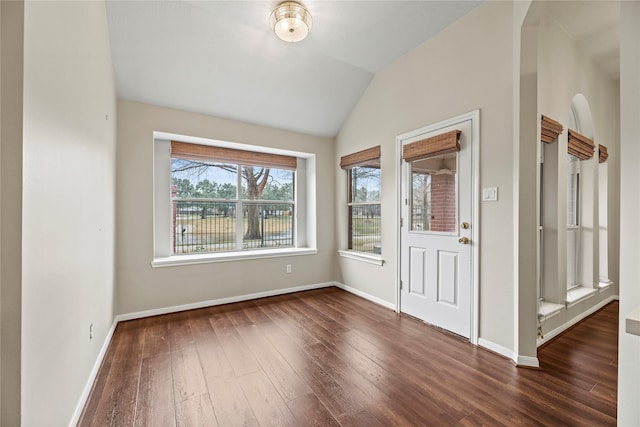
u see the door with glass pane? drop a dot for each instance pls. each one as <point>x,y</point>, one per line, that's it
<point>436,258</point>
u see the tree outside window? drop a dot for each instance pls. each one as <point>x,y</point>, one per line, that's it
<point>216,209</point>
<point>364,209</point>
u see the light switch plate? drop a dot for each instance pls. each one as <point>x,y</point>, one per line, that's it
<point>490,194</point>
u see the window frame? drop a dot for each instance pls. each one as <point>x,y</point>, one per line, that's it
<point>351,204</point>
<point>304,219</point>
<point>575,226</point>
<point>412,170</point>
<point>365,158</point>
<point>240,202</point>
<point>603,224</point>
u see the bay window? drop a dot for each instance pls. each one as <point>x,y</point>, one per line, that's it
<point>222,202</point>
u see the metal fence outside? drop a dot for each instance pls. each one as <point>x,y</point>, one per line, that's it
<point>204,226</point>
<point>365,224</point>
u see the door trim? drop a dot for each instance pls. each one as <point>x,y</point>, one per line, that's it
<point>474,116</point>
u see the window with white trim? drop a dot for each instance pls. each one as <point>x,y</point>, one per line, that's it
<point>363,200</point>
<point>217,201</point>
<point>581,193</point>
<point>549,292</point>
<point>223,206</point>
<point>364,209</point>
<point>573,221</point>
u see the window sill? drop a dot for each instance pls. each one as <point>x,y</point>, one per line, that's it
<point>578,294</point>
<point>361,256</point>
<point>604,285</point>
<point>548,309</point>
<point>229,256</point>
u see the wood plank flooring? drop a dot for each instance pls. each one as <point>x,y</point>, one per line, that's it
<point>329,358</point>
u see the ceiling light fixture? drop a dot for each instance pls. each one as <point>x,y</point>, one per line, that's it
<point>291,21</point>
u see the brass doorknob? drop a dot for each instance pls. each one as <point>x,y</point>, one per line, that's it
<point>463,240</point>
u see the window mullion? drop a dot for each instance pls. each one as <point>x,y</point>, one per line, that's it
<point>239,211</point>
<point>363,203</point>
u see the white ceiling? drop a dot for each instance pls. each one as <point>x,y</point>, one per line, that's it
<point>221,57</point>
<point>595,27</point>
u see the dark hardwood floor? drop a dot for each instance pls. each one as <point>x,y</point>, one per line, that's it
<point>329,358</point>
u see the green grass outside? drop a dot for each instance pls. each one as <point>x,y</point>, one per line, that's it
<point>363,226</point>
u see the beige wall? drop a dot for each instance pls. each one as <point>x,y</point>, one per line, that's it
<point>67,283</point>
<point>629,345</point>
<point>563,72</point>
<point>141,287</point>
<point>68,204</point>
<point>11,93</point>
<point>467,66</point>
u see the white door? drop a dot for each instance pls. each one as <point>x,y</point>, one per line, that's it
<point>436,232</point>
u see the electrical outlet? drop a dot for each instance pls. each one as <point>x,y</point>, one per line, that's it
<point>288,268</point>
<point>91,331</point>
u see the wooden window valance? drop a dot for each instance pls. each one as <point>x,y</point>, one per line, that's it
<point>444,143</point>
<point>602,153</point>
<point>550,129</point>
<point>368,157</point>
<point>187,151</point>
<point>580,146</point>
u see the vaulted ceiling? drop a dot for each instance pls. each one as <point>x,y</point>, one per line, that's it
<point>222,58</point>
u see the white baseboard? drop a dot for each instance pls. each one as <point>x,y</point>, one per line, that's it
<point>365,295</point>
<point>496,348</point>
<point>560,329</point>
<point>533,362</point>
<point>211,303</point>
<point>524,361</point>
<point>201,304</point>
<point>92,376</point>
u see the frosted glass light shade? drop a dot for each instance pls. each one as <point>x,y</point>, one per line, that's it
<point>291,21</point>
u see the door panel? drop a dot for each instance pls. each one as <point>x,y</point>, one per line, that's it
<point>448,278</point>
<point>418,269</point>
<point>435,258</point>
